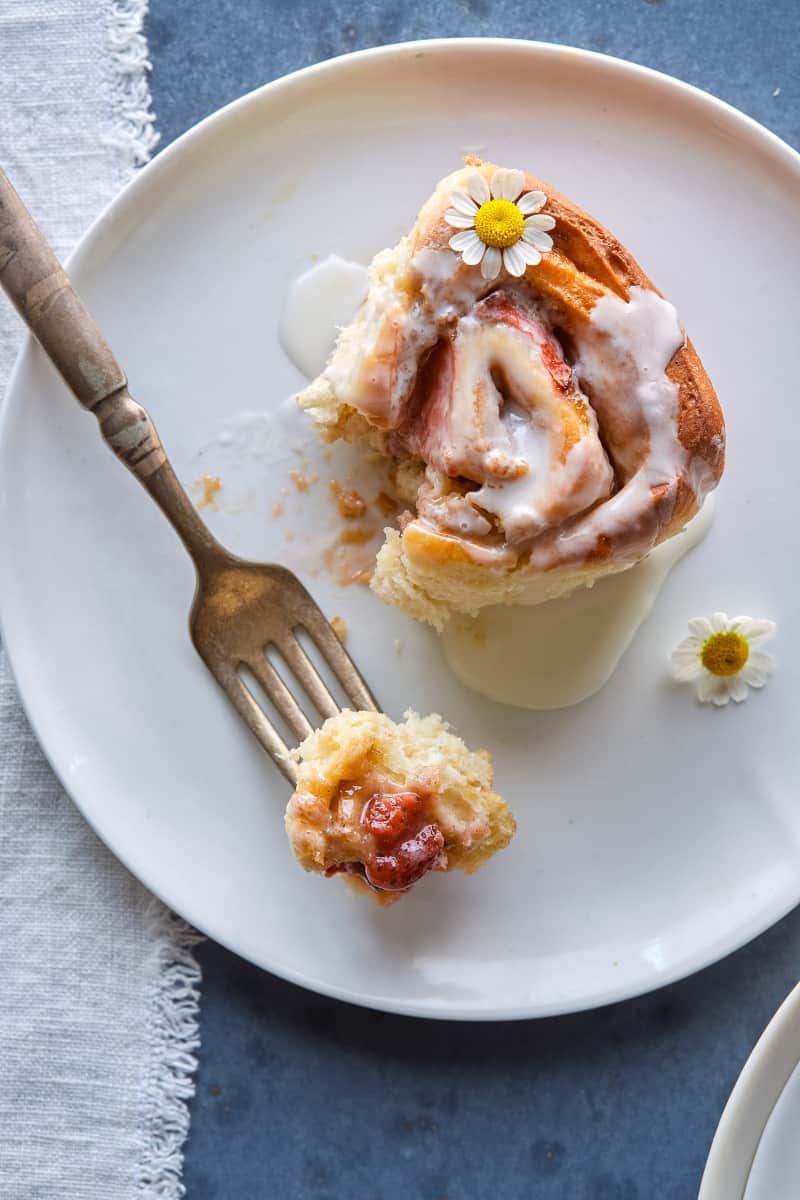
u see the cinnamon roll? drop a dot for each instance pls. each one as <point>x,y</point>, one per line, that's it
<point>551,420</point>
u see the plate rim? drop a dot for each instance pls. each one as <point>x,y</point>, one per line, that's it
<point>751,1103</point>
<point>125,201</point>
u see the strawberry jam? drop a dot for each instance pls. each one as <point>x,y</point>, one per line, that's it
<point>409,861</point>
<point>400,843</point>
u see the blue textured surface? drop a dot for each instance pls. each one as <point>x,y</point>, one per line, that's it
<point>302,1098</point>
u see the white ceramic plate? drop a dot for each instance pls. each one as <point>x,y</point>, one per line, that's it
<point>654,836</point>
<point>755,1154</point>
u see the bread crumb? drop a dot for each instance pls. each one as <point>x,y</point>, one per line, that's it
<point>355,537</point>
<point>289,535</point>
<point>350,504</point>
<point>303,481</point>
<point>339,627</point>
<point>209,486</point>
<point>277,509</point>
<point>399,646</point>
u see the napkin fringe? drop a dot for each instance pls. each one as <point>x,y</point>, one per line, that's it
<point>173,1038</point>
<point>133,130</point>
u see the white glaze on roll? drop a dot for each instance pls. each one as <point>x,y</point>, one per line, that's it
<point>622,364</point>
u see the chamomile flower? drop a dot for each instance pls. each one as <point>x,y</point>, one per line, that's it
<point>501,226</point>
<point>723,658</point>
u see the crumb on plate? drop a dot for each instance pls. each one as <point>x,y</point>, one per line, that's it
<point>208,486</point>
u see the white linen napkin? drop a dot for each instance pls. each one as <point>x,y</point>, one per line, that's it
<point>98,983</point>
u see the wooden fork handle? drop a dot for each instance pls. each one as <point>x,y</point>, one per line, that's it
<point>41,292</point>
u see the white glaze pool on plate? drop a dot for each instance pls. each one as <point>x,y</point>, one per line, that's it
<point>756,1151</point>
<point>654,836</point>
<point>557,654</point>
<point>318,302</point>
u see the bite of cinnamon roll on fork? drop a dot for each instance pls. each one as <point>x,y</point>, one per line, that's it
<point>550,419</point>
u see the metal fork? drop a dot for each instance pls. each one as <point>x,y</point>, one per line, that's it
<point>240,609</point>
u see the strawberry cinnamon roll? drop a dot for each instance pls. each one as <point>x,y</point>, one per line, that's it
<point>552,420</point>
<point>382,804</point>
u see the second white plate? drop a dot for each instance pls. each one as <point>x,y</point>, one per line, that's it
<point>756,1154</point>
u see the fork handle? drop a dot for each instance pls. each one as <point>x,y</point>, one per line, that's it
<point>40,290</point>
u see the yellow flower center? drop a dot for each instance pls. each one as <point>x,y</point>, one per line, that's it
<point>725,653</point>
<point>499,223</point>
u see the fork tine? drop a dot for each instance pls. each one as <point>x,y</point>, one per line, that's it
<point>280,695</point>
<point>308,675</point>
<point>340,662</point>
<point>256,720</point>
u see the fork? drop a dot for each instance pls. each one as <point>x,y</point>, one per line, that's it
<point>241,610</point>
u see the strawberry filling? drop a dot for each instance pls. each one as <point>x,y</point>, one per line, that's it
<point>397,871</point>
<point>389,816</point>
<point>403,844</point>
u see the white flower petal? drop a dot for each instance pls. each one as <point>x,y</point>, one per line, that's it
<point>758,639</point>
<point>721,690</point>
<point>471,248</point>
<point>754,630</point>
<point>490,267</point>
<point>468,245</point>
<point>507,183</point>
<point>531,202</point>
<point>542,241</point>
<point>513,260</point>
<point>459,220</point>
<point>463,240</point>
<point>738,690</point>
<point>700,628</point>
<point>757,670</point>
<point>705,687</point>
<point>529,253</point>
<point>478,188</point>
<point>541,221</point>
<point>687,671</point>
<point>463,203</point>
<point>720,622</point>
<point>685,660</point>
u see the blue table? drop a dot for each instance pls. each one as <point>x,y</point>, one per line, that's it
<point>303,1098</point>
